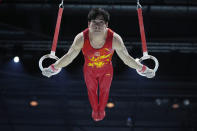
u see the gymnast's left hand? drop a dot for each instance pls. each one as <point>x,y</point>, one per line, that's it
<point>145,71</point>
<point>149,73</point>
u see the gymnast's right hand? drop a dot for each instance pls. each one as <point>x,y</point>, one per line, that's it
<point>48,72</point>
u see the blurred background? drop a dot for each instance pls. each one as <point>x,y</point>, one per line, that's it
<point>32,102</point>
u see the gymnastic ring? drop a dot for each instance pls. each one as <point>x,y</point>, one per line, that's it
<point>48,56</point>
<point>145,57</point>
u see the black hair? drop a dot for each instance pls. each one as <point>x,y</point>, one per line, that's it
<point>95,12</point>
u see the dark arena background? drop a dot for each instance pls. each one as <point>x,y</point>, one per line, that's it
<point>31,102</point>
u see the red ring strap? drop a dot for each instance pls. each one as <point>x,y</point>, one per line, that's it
<point>55,38</point>
<point>141,24</point>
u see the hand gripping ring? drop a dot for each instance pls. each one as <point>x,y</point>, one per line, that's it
<point>145,57</point>
<point>48,56</point>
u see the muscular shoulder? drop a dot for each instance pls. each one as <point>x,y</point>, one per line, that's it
<point>117,41</point>
<point>78,41</point>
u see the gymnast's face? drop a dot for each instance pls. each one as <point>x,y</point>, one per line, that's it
<point>97,25</point>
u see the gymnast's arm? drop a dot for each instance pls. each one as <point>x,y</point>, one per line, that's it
<point>72,52</point>
<point>122,52</point>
